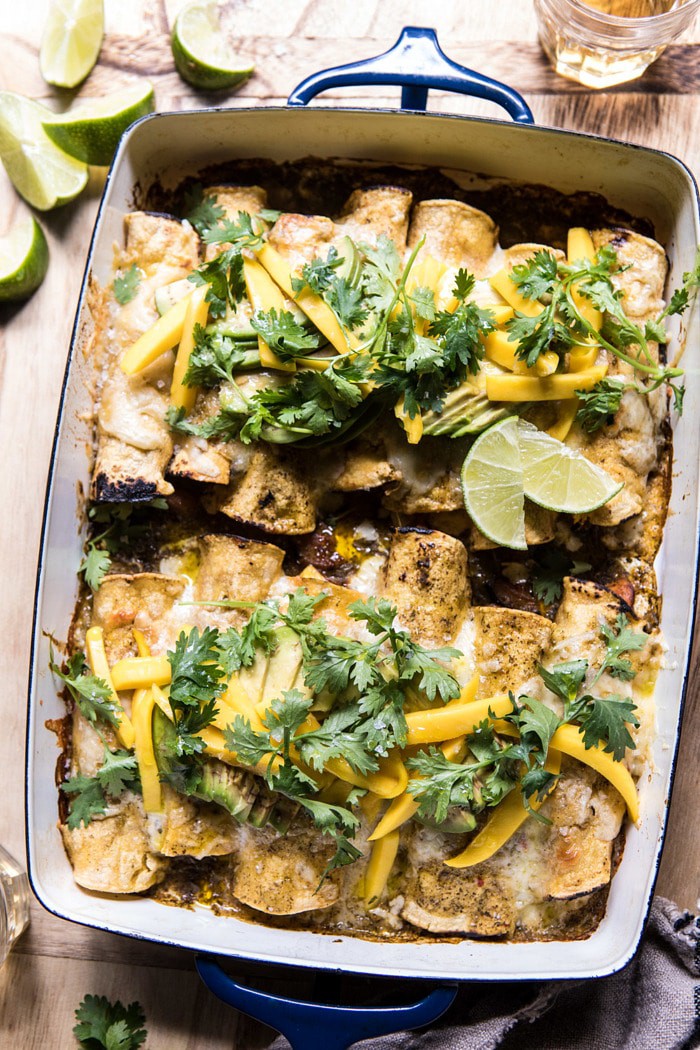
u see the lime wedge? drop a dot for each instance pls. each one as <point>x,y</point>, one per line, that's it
<point>42,173</point>
<point>24,260</point>
<point>492,483</point>
<point>91,132</point>
<point>559,478</point>
<point>71,41</point>
<point>201,55</point>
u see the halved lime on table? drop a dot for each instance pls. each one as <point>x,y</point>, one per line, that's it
<point>91,131</point>
<point>513,460</point>
<point>24,259</point>
<point>41,172</point>
<point>202,56</point>
<point>71,42</point>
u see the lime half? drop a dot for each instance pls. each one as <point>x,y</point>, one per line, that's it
<point>42,173</point>
<point>91,132</point>
<point>559,478</point>
<point>201,55</point>
<point>71,41</point>
<point>492,483</point>
<point>24,259</point>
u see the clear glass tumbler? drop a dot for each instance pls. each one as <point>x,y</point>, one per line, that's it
<point>14,902</point>
<point>601,43</point>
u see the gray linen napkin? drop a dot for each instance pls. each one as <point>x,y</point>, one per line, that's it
<point>653,1004</point>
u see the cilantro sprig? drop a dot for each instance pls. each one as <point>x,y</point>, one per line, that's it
<point>89,796</point>
<point>102,1025</point>
<point>197,681</point>
<point>126,285</point>
<point>123,524</point>
<point>90,694</point>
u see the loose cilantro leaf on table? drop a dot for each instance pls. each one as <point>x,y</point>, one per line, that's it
<point>126,286</point>
<point>102,1025</point>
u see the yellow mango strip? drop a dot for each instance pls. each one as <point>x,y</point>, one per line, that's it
<point>140,672</point>
<point>404,807</point>
<point>370,804</point>
<point>142,705</point>
<point>501,314</point>
<point>468,691</point>
<point>412,427</point>
<point>504,821</point>
<point>162,702</point>
<point>580,359</point>
<point>316,364</point>
<point>580,246</point>
<point>316,309</point>
<point>549,388</point>
<point>400,810</point>
<point>502,351</point>
<point>379,866</point>
<point>501,283</point>
<point>456,719</point>
<point>163,335</point>
<point>388,781</point>
<point>335,793</point>
<point>264,294</point>
<point>569,739</point>
<point>142,646</point>
<point>97,660</point>
<point>183,396</point>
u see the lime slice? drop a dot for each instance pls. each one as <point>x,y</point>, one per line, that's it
<point>71,41</point>
<point>201,55</point>
<point>492,483</point>
<point>43,174</point>
<point>24,260</point>
<point>559,478</point>
<point>91,132</point>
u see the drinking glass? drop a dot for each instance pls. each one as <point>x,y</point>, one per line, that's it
<point>601,43</point>
<point>14,902</point>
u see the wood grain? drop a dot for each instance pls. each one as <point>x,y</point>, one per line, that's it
<point>56,963</point>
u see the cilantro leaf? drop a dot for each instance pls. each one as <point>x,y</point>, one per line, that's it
<point>536,277</point>
<point>606,721</point>
<point>118,772</point>
<point>102,1025</point>
<point>347,302</point>
<point>87,801</point>
<point>215,358</point>
<point>92,695</point>
<point>565,679</point>
<point>94,566</point>
<point>240,234</point>
<point>195,685</point>
<point>548,576</point>
<point>202,212</point>
<point>319,274</point>
<point>423,302</point>
<point>600,404</point>
<point>537,720</point>
<point>126,285</point>
<point>224,277</point>
<point>283,334</point>
<point>682,297</point>
<point>619,640</point>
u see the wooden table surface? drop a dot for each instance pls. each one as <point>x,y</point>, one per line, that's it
<point>56,963</point>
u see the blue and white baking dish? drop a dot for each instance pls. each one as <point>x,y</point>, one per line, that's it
<point>166,147</point>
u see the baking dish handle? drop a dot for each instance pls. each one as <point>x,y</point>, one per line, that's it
<point>416,62</point>
<point>310,1025</point>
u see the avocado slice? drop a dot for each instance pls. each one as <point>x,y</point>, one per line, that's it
<point>351,266</point>
<point>169,294</point>
<point>457,822</point>
<point>283,667</point>
<point>465,411</point>
<point>253,678</point>
<point>234,789</point>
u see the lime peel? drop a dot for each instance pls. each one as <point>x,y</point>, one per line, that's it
<point>560,478</point>
<point>91,132</point>
<point>41,172</point>
<point>492,485</point>
<point>24,260</point>
<point>200,52</point>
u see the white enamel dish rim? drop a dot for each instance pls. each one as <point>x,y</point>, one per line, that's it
<point>344,130</point>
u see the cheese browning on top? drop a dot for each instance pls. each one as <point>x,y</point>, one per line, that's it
<point>383,725</point>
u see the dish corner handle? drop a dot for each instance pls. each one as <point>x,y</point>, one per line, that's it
<point>307,1024</point>
<point>416,63</point>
